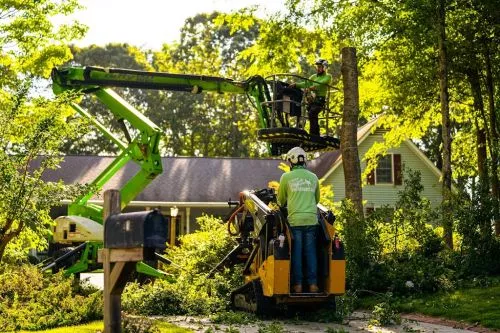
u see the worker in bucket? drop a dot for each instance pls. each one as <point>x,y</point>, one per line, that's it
<point>315,92</point>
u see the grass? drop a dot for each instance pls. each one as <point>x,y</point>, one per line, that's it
<point>171,328</point>
<point>98,326</point>
<point>472,305</point>
<point>85,328</point>
<point>476,305</point>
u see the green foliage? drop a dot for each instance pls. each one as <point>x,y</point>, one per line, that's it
<point>33,131</point>
<point>192,292</point>
<point>361,246</point>
<point>29,300</point>
<point>470,305</point>
<point>385,313</point>
<point>479,249</point>
<point>345,305</point>
<point>412,258</point>
<point>231,329</point>
<point>234,318</point>
<point>399,250</point>
<point>30,45</point>
<point>132,324</point>
<point>274,327</point>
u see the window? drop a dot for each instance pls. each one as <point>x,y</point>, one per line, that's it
<point>383,172</point>
<point>388,171</point>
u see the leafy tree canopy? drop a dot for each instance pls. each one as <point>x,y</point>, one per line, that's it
<point>32,129</point>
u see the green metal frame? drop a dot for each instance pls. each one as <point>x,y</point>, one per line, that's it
<point>88,259</point>
<point>144,148</point>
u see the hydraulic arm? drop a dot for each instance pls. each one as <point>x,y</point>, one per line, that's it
<point>89,78</point>
<point>143,149</point>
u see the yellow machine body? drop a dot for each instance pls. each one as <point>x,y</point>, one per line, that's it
<point>275,276</point>
<point>267,242</point>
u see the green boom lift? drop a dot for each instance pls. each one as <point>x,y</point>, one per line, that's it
<point>82,227</point>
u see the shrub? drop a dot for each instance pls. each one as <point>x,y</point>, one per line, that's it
<point>234,318</point>
<point>397,248</point>
<point>29,300</point>
<point>479,249</point>
<point>384,313</point>
<point>274,327</point>
<point>191,292</point>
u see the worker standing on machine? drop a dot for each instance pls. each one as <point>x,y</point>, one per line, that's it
<point>299,190</point>
<point>315,91</point>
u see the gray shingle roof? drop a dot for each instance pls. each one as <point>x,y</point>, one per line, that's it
<point>187,179</point>
<point>183,179</point>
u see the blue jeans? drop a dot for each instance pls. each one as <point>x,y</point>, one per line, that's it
<point>304,250</point>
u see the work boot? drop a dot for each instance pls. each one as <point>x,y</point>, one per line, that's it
<point>297,289</point>
<point>313,288</point>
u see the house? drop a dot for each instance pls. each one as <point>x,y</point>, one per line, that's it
<point>383,184</point>
<point>196,185</point>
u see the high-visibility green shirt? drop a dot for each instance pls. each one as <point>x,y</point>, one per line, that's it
<point>299,189</point>
<point>321,83</point>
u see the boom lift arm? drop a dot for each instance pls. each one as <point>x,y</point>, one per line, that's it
<point>143,149</point>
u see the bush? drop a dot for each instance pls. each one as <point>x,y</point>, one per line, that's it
<point>274,327</point>
<point>479,249</point>
<point>191,292</point>
<point>29,300</point>
<point>384,314</point>
<point>396,249</point>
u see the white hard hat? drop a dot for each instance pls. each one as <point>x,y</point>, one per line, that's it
<point>296,155</point>
<point>322,62</point>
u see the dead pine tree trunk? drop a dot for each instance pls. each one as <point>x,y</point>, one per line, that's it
<point>349,132</point>
<point>447,221</point>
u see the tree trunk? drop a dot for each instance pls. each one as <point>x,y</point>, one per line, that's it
<point>438,152</point>
<point>4,241</point>
<point>348,139</point>
<point>482,155</point>
<point>494,140</point>
<point>482,158</point>
<point>445,122</point>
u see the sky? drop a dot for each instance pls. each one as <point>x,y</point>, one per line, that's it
<point>150,23</point>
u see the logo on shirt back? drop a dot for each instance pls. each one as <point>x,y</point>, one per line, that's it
<point>301,185</point>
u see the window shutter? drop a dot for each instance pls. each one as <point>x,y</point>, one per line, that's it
<point>369,211</point>
<point>371,178</point>
<point>398,176</point>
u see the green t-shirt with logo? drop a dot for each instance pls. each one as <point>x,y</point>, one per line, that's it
<point>299,190</point>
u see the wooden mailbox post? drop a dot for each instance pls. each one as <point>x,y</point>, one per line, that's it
<point>128,239</point>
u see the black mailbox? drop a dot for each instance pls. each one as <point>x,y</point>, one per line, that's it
<point>148,229</point>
